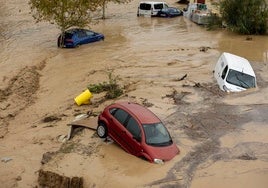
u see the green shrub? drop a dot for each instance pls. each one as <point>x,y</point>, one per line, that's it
<point>214,22</point>
<point>111,87</point>
<point>245,16</point>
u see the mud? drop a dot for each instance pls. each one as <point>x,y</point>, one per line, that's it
<point>50,179</point>
<point>20,93</point>
<point>206,128</point>
<point>164,64</point>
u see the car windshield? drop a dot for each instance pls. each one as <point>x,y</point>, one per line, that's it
<point>156,135</point>
<point>240,79</point>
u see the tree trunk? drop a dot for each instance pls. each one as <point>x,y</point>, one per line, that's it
<point>103,9</point>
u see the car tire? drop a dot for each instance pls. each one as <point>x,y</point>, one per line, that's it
<point>102,130</point>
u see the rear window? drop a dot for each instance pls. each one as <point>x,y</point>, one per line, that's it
<point>145,6</point>
<point>68,35</point>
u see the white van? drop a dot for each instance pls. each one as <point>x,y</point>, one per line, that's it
<point>234,73</point>
<point>150,8</point>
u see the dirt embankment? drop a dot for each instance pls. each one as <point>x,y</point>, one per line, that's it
<point>19,94</point>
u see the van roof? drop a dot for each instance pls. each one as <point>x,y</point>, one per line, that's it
<point>152,2</point>
<point>238,63</point>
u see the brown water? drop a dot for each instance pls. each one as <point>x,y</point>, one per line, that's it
<point>148,55</point>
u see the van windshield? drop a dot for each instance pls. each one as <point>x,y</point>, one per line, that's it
<point>240,79</point>
<point>157,135</point>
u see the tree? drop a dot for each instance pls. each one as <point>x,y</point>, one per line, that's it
<point>105,2</point>
<point>64,13</point>
<point>245,16</point>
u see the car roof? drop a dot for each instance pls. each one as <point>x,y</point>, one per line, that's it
<point>238,63</point>
<point>73,30</point>
<point>144,115</point>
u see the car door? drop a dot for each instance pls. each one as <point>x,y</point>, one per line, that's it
<point>133,135</point>
<point>117,128</point>
<point>91,36</point>
<point>82,37</point>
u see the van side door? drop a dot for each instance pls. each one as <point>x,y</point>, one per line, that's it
<point>156,8</point>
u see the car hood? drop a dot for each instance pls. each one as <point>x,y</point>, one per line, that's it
<point>164,153</point>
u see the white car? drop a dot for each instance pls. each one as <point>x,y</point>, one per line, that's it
<point>234,73</point>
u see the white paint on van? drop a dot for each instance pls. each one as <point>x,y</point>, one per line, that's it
<point>234,73</point>
<point>150,8</point>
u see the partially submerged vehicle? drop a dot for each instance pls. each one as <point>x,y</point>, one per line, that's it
<point>138,131</point>
<point>169,12</point>
<point>74,37</point>
<point>234,73</point>
<point>197,12</point>
<point>150,8</point>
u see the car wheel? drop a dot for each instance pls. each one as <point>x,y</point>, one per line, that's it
<point>102,131</point>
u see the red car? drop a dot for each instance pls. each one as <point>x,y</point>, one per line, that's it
<point>138,131</point>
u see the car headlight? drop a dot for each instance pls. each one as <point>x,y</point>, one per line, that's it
<point>158,161</point>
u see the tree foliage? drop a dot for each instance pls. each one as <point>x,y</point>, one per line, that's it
<point>245,16</point>
<point>64,13</point>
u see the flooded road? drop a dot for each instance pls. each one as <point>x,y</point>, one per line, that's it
<point>222,137</point>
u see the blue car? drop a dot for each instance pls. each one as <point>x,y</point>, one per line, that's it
<point>74,37</point>
<point>169,12</point>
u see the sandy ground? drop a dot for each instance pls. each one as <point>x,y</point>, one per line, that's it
<point>223,138</point>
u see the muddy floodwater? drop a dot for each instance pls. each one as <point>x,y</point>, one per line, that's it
<point>223,137</point>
